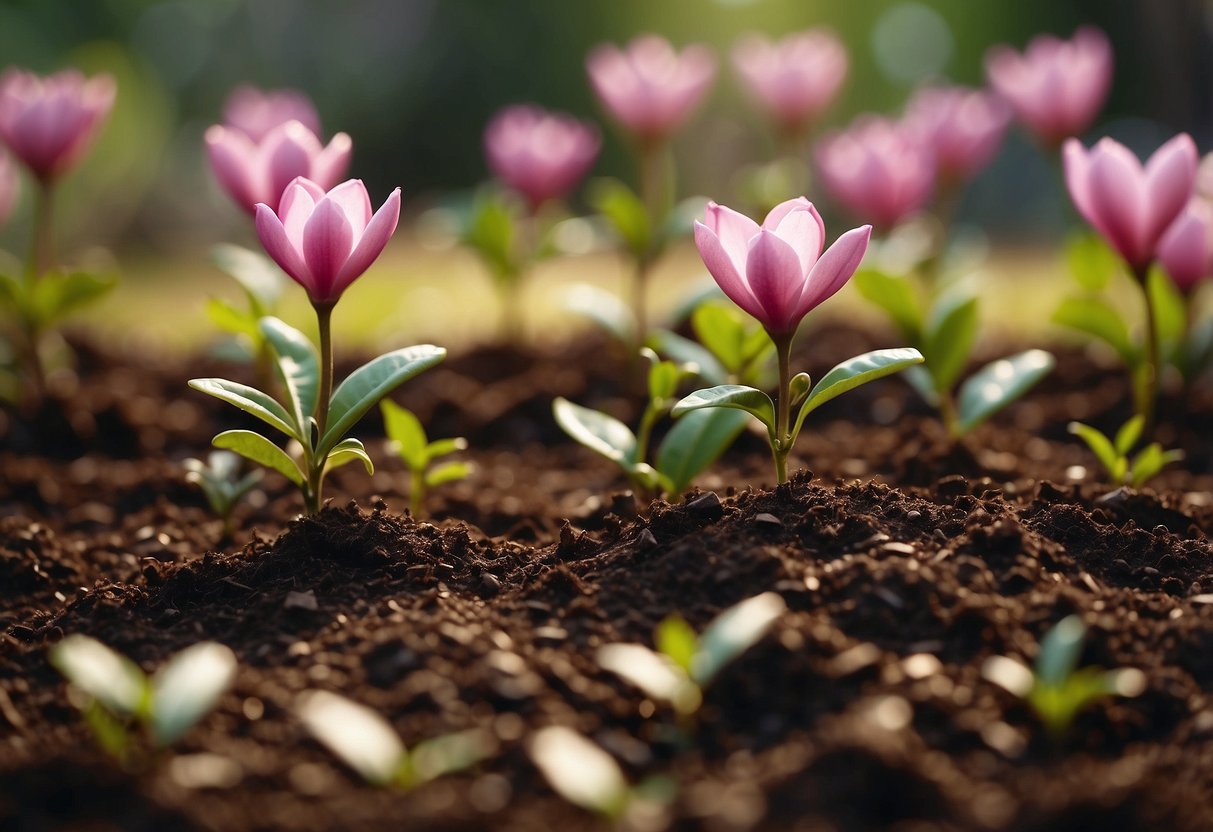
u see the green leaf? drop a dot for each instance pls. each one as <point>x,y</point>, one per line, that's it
<point>1128,435</point>
<point>187,687</point>
<point>676,640</point>
<point>491,233</point>
<point>740,397</point>
<point>896,296</point>
<point>1098,319</point>
<point>55,295</point>
<point>798,388</point>
<point>599,432</point>
<point>855,372</point>
<point>1170,312</point>
<point>230,319</point>
<point>250,400</point>
<point>404,429</point>
<point>579,771</point>
<point>685,351</point>
<point>723,332</point>
<point>258,275</point>
<point>370,383</point>
<point>445,447</point>
<point>657,674</point>
<point>108,730</point>
<point>1102,447</point>
<point>447,472</point>
<point>949,339</point>
<point>603,308</point>
<point>1059,651</point>
<point>107,676</point>
<point>624,212</point>
<point>349,450</point>
<point>663,380</point>
<point>256,447</point>
<point>696,441</point>
<point>448,754</point>
<point>734,631</point>
<point>1150,461</point>
<point>364,740</point>
<point>299,369</point>
<point>1091,261</point>
<point>999,383</point>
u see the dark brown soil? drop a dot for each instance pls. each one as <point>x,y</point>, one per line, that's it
<point>904,562</point>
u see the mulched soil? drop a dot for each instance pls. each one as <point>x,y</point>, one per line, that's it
<point>905,562</point>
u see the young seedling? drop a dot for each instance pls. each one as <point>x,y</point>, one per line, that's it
<point>731,349</point>
<point>1056,688</point>
<point>684,664</point>
<point>408,440</point>
<point>261,283</point>
<point>368,744</point>
<point>689,447</point>
<point>220,480</point>
<point>116,694</point>
<point>1113,453</point>
<point>586,776</point>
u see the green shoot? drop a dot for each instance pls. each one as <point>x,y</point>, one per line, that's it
<point>220,480</point>
<point>1113,453</point>
<point>409,441</point>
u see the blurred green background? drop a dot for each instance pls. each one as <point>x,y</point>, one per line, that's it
<point>414,82</point>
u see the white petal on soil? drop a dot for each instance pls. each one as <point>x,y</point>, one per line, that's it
<point>734,631</point>
<point>185,689</point>
<point>112,679</point>
<point>579,771</point>
<point>1009,674</point>
<point>363,739</point>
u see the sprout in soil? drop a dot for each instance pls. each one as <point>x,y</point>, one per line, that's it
<point>731,347</point>
<point>220,480</point>
<point>1056,688</point>
<point>334,239</point>
<point>687,449</point>
<point>369,745</point>
<point>586,776</point>
<point>48,123</point>
<point>408,440</point>
<point>684,664</point>
<point>1113,452</point>
<point>114,693</point>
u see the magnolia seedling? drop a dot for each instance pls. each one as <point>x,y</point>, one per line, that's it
<point>220,480</point>
<point>684,664</point>
<point>1056,688</point>
<point>1113,453</point>
<point>368,744</point>
<point>116,693</point>
<point>408,440</point>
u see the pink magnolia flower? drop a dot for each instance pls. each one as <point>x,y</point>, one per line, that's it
<point>256,112</point>
<point>777,272</point>
<point>10,186</point>
<point>1056,87</point>
<point>1204,178</point>
<point>1130,205</point>
<point>794,79</point>
<point>326,241</point>
<point>878,169</point>
<point>1186,249</point>
<point>541,155</point>
<point>964,128</point>
<point>649,88</point>
<point>50,123</point>
<point>253,172</point>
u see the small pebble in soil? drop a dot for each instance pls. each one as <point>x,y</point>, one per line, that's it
<point>706,506</point>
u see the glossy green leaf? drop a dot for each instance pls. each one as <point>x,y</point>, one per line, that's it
<point>624,212</point>
<point>187,687</point>
<point>1091,261</point>
<point>1128,435</point>
<point>1103,449</point>
<point>1098,319</point>
<point>723,332</point>
<point>999,383</point>
<point>740,397</point>
<point>896,296</point>
<point>599,432</point>
<point>447,472</point>
<point>695,441</point>
<point>361,738</point>
<point>1150,462</point>
<point>445,447</point>
<point>1059,651</point>
<point>250,400</point>
<point>855,372</point>
<point>298,367</point>
<point>604,308</point>
<point>949,339</point>
<point>256,447</point>
<point>676,640</point>
<point>919,378</point>
<point>685,351</point>
<point>258,275</point>
<point>663,380</point>
<point>371,382</point>
<point>107,676</point>
<point>346,451</point>
<point>733,632</point>
<point>406,433</point>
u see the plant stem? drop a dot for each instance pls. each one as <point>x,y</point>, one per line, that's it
<point>42,239</point>
<point>417,492</point>
<point>1150,396</point>
<point>645,432</point>
<point>654,174</point>
<point>782,445</point>
<point>315,467</point>
<point>947,412</point>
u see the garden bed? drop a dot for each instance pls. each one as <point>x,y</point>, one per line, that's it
<point>905,563</point>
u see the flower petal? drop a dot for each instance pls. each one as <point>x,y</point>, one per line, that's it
<point>353,199</point>
<point>1077,166</point>
<point>734,232</point>
<point>232,158</point>
<point>775,277</point>
<point>1170,178</point>
<point>298,202</point>
<point>330,164</point>
<point>803,230</point>
<point>834,269</point>
<point>724,271</point>
<point>274,239</point>
<point>378,231</point>
<point>1119,200</point>
<point>327,241</point>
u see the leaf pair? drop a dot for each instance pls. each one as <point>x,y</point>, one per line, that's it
<point>45,302</point>
<point>408,439</point>
<point>1113,453</point>
<point>220,480</point>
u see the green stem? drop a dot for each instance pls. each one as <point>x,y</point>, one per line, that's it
<point>645,432</point>
<point>417,492</point>
<point>654,194</point>
<point>947,412</point>
<point>42,240</point>
<point>1150,370</point>
<point>315,483</point>
<point>782,445</point>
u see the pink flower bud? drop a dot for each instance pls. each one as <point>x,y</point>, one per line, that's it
<point>541,155</point>
<point>1056,87</point>
<point>963,128</point>
<point>878,169</point>
<point>258,172</point>
<point>10,186</point>
<point>1186,249</point>
<point>256,112</point>
<point>649,88</point>
<point>777,272</point>
<point>325,241</point>
<point>50,123</point>
<point>794,79</point>
<point>1130,205</point>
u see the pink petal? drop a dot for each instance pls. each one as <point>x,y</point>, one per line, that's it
<point>330,165</point>
<point>232,160</point>
<point>355,202</point>
<point>274,239</point>
<point>296,207</point>
<point>287,154</point>
<point>1077,166</point>
<point>1184,250</point>
<point>834,269</point>
<point>734,232</point>
<point>775,277</point>
<point>1170,179</point>
<point>724,271</point>
<point>327,242</point>
<point>1119,200</point>
<point>804,231</point>
<point>378,231</point>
